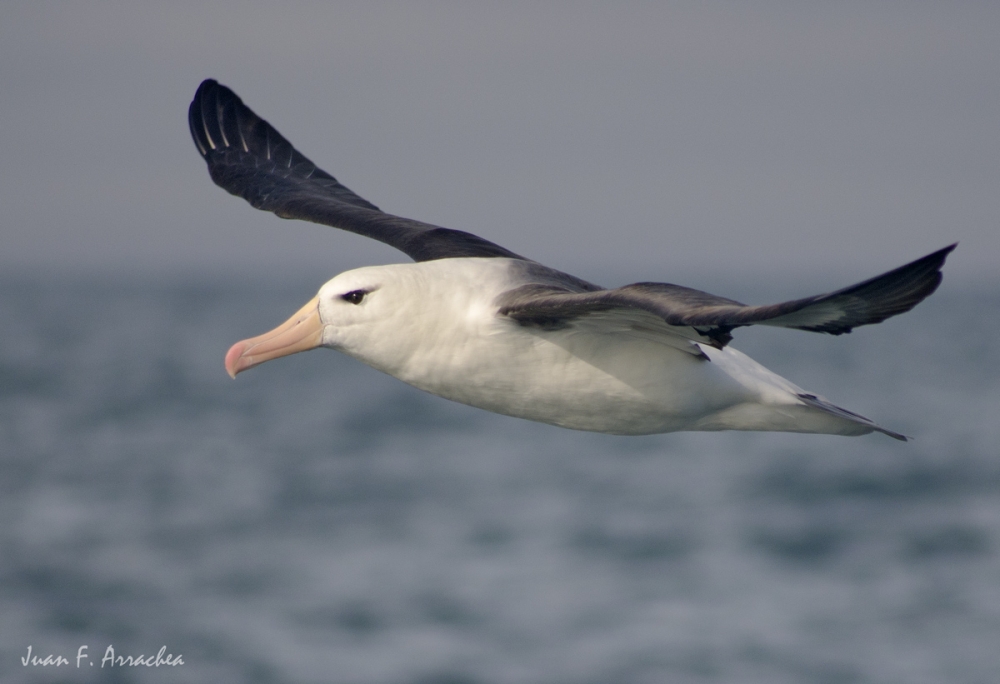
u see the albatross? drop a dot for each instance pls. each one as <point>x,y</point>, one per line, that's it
<point>475,323</point>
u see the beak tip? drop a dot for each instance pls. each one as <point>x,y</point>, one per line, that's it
<point>302,331</point>
<point>233,358</point>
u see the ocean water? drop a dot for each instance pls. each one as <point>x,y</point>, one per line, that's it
<point>316,521</point>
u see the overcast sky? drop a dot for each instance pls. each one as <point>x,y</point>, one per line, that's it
<point>661,140</point>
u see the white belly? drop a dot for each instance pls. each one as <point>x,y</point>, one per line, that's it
<point>602,383</point>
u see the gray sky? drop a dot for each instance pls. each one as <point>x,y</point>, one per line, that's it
<point>834,140</point>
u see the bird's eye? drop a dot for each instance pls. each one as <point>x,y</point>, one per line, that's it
<point>354,296</point>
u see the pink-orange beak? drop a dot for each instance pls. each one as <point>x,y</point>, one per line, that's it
<point>301,332</point>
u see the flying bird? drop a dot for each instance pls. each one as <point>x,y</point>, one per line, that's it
<point>478,324</point>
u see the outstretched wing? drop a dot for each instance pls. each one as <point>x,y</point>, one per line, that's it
<point>706,318</point>
<point>247,157</point>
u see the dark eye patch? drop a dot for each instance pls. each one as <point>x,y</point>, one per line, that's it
<point>354,296</point>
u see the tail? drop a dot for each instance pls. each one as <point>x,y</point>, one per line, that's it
<point>779,405</point>
<point>823,405</point>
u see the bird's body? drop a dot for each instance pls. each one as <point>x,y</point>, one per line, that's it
<point>436,327</point>
<point>478,324</point>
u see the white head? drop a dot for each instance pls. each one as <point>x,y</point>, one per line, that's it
<point>350,312</point>
<point>380,315</point>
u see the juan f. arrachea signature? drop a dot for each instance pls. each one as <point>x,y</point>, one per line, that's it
<point>161,659</point>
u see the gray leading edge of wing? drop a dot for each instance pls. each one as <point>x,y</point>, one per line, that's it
<point>247,157</point>
<point>709,319</point>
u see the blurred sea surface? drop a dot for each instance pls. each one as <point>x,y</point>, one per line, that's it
<point>316,521</point>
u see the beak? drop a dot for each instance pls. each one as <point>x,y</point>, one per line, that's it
<point>301,332</point>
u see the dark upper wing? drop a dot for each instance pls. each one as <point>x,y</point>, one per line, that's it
<point>703,317</point>
<point>249,158</point>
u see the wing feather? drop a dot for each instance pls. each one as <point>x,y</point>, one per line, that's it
<point>248,157</point>
<point>709,319</point>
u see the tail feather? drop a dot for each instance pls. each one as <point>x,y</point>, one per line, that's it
<point>824,405</point>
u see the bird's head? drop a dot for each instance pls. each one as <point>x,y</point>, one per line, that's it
<point>355,312</point>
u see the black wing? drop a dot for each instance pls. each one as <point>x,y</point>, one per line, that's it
<point>247,157</point>
<point>706,318</point>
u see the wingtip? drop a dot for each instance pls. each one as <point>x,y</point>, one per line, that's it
<point>944,251</point>
<point>204,115</point>
<point>935,258</point>
<point>196,116</point>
